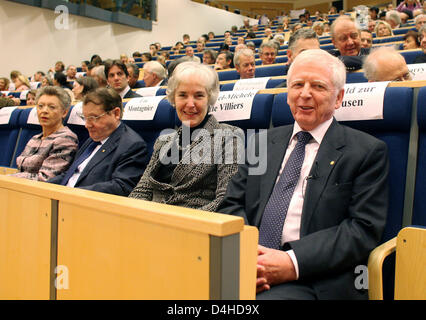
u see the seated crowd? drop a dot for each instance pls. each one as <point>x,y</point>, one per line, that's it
<point>297,258</point>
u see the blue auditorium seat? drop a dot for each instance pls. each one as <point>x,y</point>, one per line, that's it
<point>27,132</point>
<point>355,77</point>
<point>228,75</point>
<point>271,70</point>
<point>419,210</point>
<point>394,129</point>
<point>9,134</point>
<point>150,129</point>
<point>410,55</point>
<point>79,129</point>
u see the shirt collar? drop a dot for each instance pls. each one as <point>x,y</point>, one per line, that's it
<point>317,133</point>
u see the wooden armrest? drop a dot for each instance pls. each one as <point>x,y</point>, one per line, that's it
<point>7,170</point>
<point>375,266</point>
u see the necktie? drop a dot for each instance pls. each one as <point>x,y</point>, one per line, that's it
<point>272,223</point>
<point>86,153</point>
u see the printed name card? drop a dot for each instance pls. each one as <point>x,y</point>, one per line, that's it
<point>5,114</point>
<point>233,105</point>
<point>23,95</point>
<point>251,84</point>
<point>362,101</point>
<point>147,91</point>
<point>418,71</point>
<point>74,117</point>
<point>141,108</point>
<point>34,85</point>
<point>32,117</point>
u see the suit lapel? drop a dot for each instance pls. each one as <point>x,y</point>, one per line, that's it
<point>109,146</point>
<point>328,155</point>
<point>277,147</point>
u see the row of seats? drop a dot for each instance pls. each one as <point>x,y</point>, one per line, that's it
<point>271,110</point>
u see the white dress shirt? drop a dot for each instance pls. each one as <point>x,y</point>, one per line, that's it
<point>291,228</point>
<point>74,178</point>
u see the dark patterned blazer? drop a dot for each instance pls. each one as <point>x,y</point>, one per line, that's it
<point>201,177</point>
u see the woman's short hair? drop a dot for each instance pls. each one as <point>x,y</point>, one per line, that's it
<point>190,70</point>
<point>387,25</point>
<point>107,98</point>
<point>61,94</point>
<point>88,84</point>
<point>414,35</point>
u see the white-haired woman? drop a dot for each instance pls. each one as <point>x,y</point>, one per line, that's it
<point>192,167</point>
<point>49,153</point>
<point>383,29</point>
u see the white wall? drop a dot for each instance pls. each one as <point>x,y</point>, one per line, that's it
<point>30,41</point>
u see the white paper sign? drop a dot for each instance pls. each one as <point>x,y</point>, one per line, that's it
<point>74,117</point>
<point>362,101</point>
<point>418,71</point>
<point>80,74</point>
<point>147,91</point>
<point>141,108</point>
<point>23,95</point>
<point>5,114</point>
<point>34,85</point>
<point>233,105</point>
<point>251,84</point>
<point>32,117</point>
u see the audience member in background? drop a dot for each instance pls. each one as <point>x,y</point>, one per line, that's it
<point>240,47</point>
<point>59,67</point>
<point>178,46</point>
<point>98,73</point>
<point>405,15</point>
<point>366,39</point>
<point>295,27</point>
<point>4,84</point>
<point>422,38</point>
<point>251,46</point>
<point>85,66</point>
<point>411,40</point>
<point>124,58</point>
<point>46,81</point>
<point>96,60</point>
<point>224,61</point>
<point>373,12</point>
<point>244,63</point>
<point>49,153</point>
<point>420,21</point>
<point>189,51</point>
<point>268,52</point>
<point>385,64</point>
<point>371,25</point>
<point>154,74</point>
<point>31,97</point>
<point>146,56</point>
<point>211,35</point>
<point>83,86</point>
<point>71,73</point>
<point>114,157</point>
<point>186,39</point>
<point>118,79</point>
<point>318,27</point>
<point>153,50</point>
<point>200,45</point>
<point>394,19</point>
<point>133,71</point>
<point>60,80</point>
<point>174,176</point>
<point>209,56</point>
<point>383,29</point>
<point>38,76</point>
<point>21,83</point>
<point>279,39</point>
<point>409,5</point>
<point>346,37</point>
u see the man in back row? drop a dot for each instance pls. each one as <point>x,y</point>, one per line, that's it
<point>118,78</point>
<point>321,204</point>
<point>114,157</point>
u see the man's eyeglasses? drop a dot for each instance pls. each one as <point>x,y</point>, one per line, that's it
<point>91,119</point>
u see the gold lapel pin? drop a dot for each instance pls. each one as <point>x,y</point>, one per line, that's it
<point>103,150</point>
<point>332,163</point>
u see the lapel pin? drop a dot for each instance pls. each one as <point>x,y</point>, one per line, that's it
<point>332,163</point>
<point>103,150</point>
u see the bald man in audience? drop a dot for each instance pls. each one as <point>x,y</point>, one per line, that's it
<point>189,51</point>
<point>346,37</point>
<point>385,64</point>
<point>268,52</point>
<point>244,63</point>
<point>154,74</point>
<point>422,35</point>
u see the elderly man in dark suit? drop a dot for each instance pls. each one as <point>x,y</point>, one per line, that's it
<point>321,204</point>
<point>118,78</point>
<point>114,157</point>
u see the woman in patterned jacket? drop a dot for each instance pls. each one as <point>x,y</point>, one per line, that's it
<point>49,153</point>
